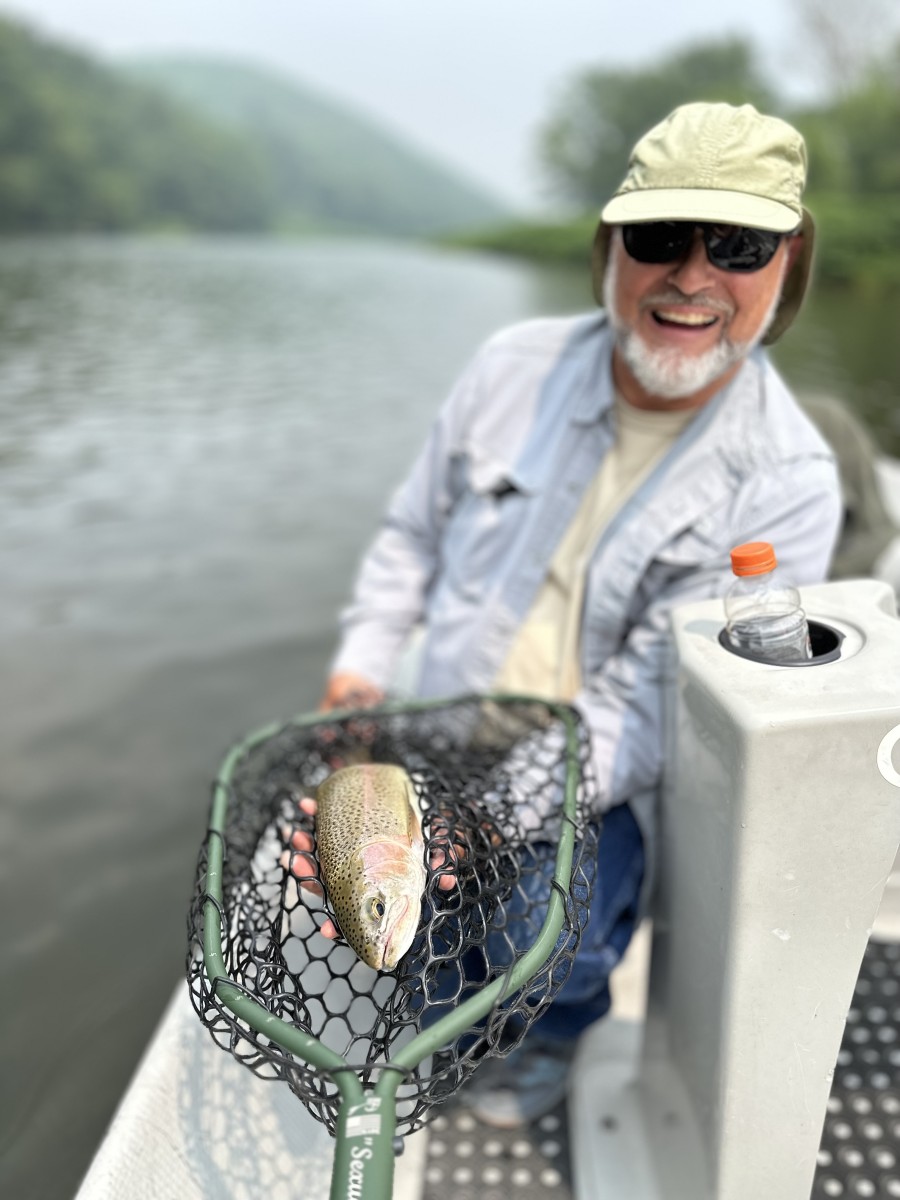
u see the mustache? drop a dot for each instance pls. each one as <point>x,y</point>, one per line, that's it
<point>673,298</point>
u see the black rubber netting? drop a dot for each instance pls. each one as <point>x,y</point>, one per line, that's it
<point>493,772</point>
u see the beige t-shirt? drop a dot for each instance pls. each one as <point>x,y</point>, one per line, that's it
<point>543,659</point>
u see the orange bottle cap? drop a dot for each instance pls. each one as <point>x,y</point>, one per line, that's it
<point>753,558</point>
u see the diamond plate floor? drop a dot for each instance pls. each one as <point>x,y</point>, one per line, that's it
<point>859,1158</point>
<point>860,1151</point>
<point>471,1161</point>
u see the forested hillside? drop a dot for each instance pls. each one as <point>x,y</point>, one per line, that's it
<point>205,146</point>
<point>81,149</point>
<point>325,161</point>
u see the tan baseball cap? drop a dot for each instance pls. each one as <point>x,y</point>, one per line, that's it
<point>717,162</point>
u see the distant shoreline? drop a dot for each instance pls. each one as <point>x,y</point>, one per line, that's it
<point>857,242</point>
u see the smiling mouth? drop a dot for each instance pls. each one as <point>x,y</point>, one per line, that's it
<point>683,319</point>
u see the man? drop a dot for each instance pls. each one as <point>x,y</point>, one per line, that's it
<point>588,474</point>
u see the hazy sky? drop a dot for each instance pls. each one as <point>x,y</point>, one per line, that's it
<point>469,80</point>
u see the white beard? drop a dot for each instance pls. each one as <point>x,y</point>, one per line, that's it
<point>670,374</point>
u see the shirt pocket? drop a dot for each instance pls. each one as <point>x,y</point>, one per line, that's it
<point>699,545</point>
<point>493,502</point>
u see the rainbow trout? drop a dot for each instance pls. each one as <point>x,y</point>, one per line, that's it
<point>372,858</point>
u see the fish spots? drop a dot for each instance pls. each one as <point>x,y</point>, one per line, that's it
<point>371,855</point>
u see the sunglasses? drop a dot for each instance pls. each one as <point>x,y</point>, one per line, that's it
<point>728,247</point>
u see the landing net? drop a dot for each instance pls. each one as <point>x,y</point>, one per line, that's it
<point>491,771</point>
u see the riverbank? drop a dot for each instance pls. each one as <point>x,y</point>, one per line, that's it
<point>857,244</point>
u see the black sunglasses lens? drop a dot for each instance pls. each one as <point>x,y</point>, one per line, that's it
<point>657,241</point>
<point>728,247</point>
<point>737,248</point>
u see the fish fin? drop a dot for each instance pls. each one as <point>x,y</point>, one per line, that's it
<point>414,820</point>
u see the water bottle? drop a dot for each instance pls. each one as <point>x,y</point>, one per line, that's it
<point>763,614</point>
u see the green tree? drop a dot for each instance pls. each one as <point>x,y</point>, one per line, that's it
<point>584,145</point>
<point>854,179</point>
<point>81,149</point>
<point>842,42</point>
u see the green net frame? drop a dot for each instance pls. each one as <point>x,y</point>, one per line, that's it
<point>511,777</point>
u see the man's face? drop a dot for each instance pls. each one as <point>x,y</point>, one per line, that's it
<point>682,326</point>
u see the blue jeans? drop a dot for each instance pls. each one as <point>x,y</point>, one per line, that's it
<point>617,876</point>
<point>584,997</point>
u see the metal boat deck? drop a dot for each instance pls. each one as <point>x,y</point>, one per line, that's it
<point>859,1155</point>
<point>195,1125</point>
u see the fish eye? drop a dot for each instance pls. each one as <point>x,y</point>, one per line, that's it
<point>378,909</point>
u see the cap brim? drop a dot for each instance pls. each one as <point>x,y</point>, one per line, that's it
<point>695,204</point>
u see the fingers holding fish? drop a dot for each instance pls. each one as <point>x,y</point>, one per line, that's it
<point>303,862</point>
<point>446,851</point>
<point>450,847</point>
<point>300,860</point>
<point>445,854</point>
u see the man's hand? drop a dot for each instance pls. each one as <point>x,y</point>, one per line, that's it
<point>303,863</point>
<point>348,690</point>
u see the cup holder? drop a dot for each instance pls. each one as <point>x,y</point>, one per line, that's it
<point>824,640</point>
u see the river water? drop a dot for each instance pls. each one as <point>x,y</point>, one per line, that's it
<point>196,439</point>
